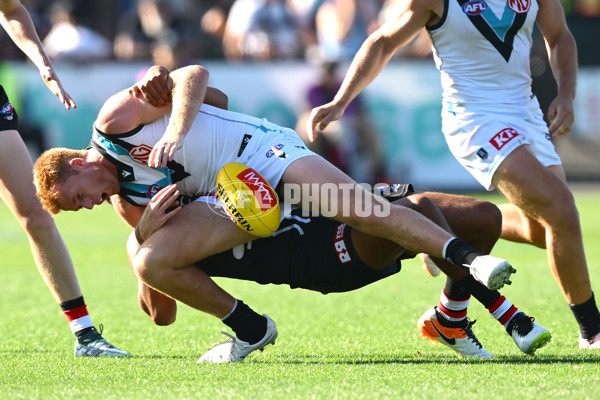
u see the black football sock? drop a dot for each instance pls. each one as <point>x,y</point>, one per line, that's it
<point>497,305</point>
<point>484,295</point>
<point>453,305</point>
<point>248,325</point>
<point>587,316</point>
<point>458,252</point>
<point>76,312</point>
<point>455,290</point>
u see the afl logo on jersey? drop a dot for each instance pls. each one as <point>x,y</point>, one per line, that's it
<point>7,111</point>
<point>152,190</point>
<point>141,153</point>
<point>276,151</point>
<point>474,7</point>
<point>519,6</point>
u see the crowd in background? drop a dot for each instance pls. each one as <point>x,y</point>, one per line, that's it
<point>172,32</point>
<point>324,33</point>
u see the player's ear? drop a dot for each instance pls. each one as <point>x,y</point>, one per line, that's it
<point>77,163</point>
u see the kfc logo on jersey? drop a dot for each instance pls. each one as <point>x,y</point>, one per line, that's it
<point>141,154</point>
<point>501,138</point>
<point>276,150</point>
<point>519,6</point>
<point>474,7</point>
<point>7,111</point>
<point>340,245</point>
<point>264,194</point>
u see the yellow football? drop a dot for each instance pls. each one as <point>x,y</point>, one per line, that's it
<point>248,199</point>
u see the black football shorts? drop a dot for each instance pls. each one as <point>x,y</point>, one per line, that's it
<point>312,253</point>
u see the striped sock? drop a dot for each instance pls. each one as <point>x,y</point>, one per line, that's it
<point>454,310</point>
<point>503,310</point>
<point>76,312</point>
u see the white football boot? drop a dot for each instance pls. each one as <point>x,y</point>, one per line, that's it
<point>527,334</point>
<point>492,272</point>
<point>235,350</point>
<point>589,344</point>
<point>460,339</point>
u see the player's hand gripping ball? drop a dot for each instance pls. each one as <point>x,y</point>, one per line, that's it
<point>248,199</point>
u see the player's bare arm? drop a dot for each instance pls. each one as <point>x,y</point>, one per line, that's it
<point>147,220</point>
<point>372,57</point>
<point>123,112</point>
<point>128,212</point>
<point>15,19</point>
<point>189,89</point>
<point>154,87</point>
<point>562,53</point>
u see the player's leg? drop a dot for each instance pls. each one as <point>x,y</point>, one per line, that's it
<point>543,195</point>
<point>18,193</point>
<point>161,308</point>
<point>403,226</point>
<point>454,331</point>
<point>519,227</point>
<point>362,210</point>
<point>49,251</point>
<point>165,262</point>
<point>479,223</point>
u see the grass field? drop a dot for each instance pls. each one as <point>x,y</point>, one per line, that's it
<point>357,345</point>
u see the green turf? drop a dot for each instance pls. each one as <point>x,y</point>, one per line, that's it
<point>358,345</point>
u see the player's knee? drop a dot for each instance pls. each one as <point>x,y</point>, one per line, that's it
<point>560,210</point>
<point>163,318</point>
<point>565,206</point>
<point>146,266</point>
<point>420,203</point>
<point>487,218</point>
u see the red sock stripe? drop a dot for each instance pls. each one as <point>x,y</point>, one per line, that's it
<point>452,313</point>
<point>492,309</point>
<point>507,315</point>
<point>76,313</point>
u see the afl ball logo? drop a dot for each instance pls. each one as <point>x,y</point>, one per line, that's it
<point>141,153</point>
<point>519,6</point>
<point>474,7</point>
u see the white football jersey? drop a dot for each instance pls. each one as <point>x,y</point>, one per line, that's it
<point>482,48</point>
<point>216,138</point>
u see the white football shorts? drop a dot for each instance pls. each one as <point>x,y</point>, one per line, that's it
<point>481,137</point>
<point>272,149</point>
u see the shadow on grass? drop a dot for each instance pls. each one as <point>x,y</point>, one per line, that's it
<point>382,359</point>
<point>61,354</point>
<point>353,359</point>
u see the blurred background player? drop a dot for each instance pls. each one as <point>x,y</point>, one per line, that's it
<point>18,193</point>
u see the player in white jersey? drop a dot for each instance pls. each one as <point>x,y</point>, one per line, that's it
<point>216,138</point>
<point>493,123</point>
<point>69,179</point>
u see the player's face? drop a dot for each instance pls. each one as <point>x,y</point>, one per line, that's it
<point>86,189</point>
